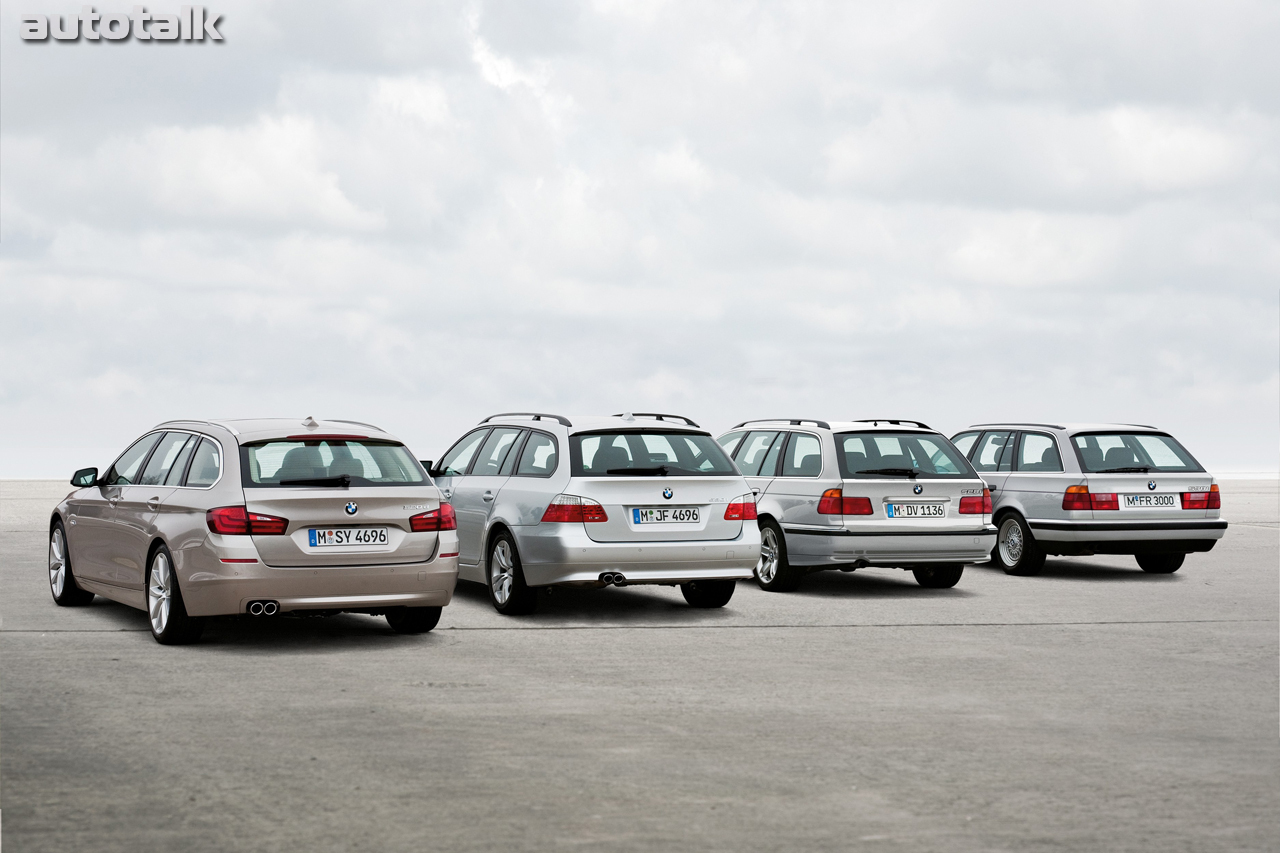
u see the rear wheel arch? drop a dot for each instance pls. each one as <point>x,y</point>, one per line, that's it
<point>495,530</point>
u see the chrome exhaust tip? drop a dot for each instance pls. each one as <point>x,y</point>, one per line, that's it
<point>269,608</point>
<point>255,608</point>
<point>612,578</point>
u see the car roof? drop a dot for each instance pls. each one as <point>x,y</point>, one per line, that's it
<point>248,430</point>
<point>1072,428</point>
<point>593,423</point>
<point>868,425</point>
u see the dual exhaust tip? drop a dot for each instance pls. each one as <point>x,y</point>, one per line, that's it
<point>613,578</point>
<point>263,608</point>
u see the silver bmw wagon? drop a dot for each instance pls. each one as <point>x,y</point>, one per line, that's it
<point>628,499</point>
<point>210,518</point>
<point>856,494</point>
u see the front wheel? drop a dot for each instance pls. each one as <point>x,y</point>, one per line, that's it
<point>1160,564</point>
<point>708,594</point>
<point>413,620</point>
<point>62,581</point>
<point>508,592</point>
<point>1016,549</point>
<point>170,624</point>
<point>773,571</point>
<point>938,577</point>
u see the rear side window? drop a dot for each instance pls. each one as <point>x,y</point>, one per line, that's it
<point>456,461</point>
<point>1038,452</point>
<point>803,457</point>
<point>206,464</point>
<point>538,459</point>
<point>964,442</point>
<point>990,455</point>
<point>494,451</point>
<point>622,454</point>
<point>161,462</point>
<point>885,454</point>
<point>179,467</point>
<point>754,453</point>
<point>324,462</point>
<point>1137,453</point>
<point>127,468</point>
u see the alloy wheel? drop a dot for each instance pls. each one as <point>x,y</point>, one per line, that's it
<point>160,592</point>
<point>767,568</point>
<point>1011,544</point>
<point>57,562</point>
<point>503,572</point>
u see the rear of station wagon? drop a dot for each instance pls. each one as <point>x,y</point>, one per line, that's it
<point>1082,489</point>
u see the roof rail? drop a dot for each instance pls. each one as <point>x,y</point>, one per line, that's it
<point>657,416</point>
<point>1027,423</point>
<point>537,416</point>
<point>894,421</point>
<point>791,421</point>
<point>355,423</point>
<point>1144,426</point>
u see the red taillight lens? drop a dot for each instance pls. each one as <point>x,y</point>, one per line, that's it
<point>436,519</point>
<point>1215,497</point>
<point>1211,499</point>
<point>856,506</point>
<point>237,521</point>
<point>741,509</point>
<point>831,503</point>
<point>573,508</point>
<point>976,505</point>
<point>1104,500</point>
<point>1076,498</point>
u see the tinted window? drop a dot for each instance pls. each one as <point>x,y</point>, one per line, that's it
<point>455,462</point>
<point>647,453</point>
<point>964,442</point>
<point>754,450</point>
<point>161,462</point>
<point>509,464</point>
<point>1038,452</point>
<point>125,471</point>
<point>803,457</point>
<point>883,454</point>
<point>206,465</point>
<point>990,452</point>
<point>729,441</point>
<point>180,464</point>
<point>1132,453</point>
<point>538,459</point>
<point>309,462</point>
<point>494,451</point>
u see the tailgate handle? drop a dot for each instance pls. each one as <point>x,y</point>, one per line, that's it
<point>153,503</point>
<point>487,496</point>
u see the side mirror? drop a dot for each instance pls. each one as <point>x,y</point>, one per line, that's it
<point>85,477</point>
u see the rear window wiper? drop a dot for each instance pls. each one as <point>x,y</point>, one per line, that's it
<point>342,480</point>
<point>896,472</point>
<point>1135,469</point>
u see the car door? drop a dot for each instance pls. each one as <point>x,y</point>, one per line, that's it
<point>451,473</point>
<point>757,458</point>
<point>1037,482</point>
<point>474,494</point>
<point>993,457</point>
<point>139,505</point>
<point>100,543</point>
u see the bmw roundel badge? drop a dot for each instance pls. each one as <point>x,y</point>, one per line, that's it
<point>352,508</point>
<point>918,488</point>
<point>667,493</point>
<point>1151,484</point>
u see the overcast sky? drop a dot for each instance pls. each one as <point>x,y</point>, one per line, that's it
<point>418,214</point>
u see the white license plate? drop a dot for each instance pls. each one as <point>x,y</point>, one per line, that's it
<point>1150,501</point>
<point>344,537</point>
<point>664,514</point>
<point>915,510</point>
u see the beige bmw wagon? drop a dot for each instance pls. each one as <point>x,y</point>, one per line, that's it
<point>258,517</point>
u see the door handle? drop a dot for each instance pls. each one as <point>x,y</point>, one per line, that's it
<point>487,496</point>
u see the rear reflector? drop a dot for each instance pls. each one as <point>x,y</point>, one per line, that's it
<point>1211,499</point>
<point>450,554</point>
<point>238,521</point>
<point>976,505</point>
<point>239,560</point>
<point>833,502</point>
<point>571,508</point>
<point>742,509</point>
<point>443,518</point>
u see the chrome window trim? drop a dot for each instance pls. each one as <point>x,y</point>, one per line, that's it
<point>782,462</point>
<point>222,470</point>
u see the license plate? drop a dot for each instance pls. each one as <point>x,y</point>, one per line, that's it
<point>664,514</point>
<point>1150,501</point>
<point>915,510</point>
<point>343,537</point>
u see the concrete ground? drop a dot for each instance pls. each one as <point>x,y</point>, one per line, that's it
<point>1093,708</point>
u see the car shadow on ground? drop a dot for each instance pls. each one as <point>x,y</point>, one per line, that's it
<point>875,583</point>
<point>632,605</point>
<point>1081,569</point>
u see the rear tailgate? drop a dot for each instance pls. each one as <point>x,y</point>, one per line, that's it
<point>662,509</point>
<point>376,533</point>
<point>1150,497</point>
<point>897,506</point>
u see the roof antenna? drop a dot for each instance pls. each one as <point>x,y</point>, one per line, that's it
<point>310,423</point>
<point>627,416</point>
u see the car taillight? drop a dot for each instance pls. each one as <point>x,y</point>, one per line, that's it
<point>238,521</point>
<point>1215,497</point>
<point>1104,500</point>
<point>1211,499</point>
<point>833,502</point>
<point>1076,498</point>
<point>574,508</point>
<point>976,505</point>
<point>443,518</point>
<point>741,509</point>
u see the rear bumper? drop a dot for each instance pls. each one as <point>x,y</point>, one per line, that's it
<point>811,547</point>
<point>1069,538</point>
<point>556,554</point>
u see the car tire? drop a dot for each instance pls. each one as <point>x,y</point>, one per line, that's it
<point>508,592</point>
<point>166,611</point>
<point>62,580</point>
<point>708,594</point>
<point>1016,549</point>
<point>1160,564</point>
<point>413,620</point>
<point>938,577</point>
<point>774,573</point>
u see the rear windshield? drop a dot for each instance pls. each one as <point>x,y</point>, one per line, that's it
<point>644,453</point>
<point>1132,453</point>
<point>870,455</point>
<point>329,462</point>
